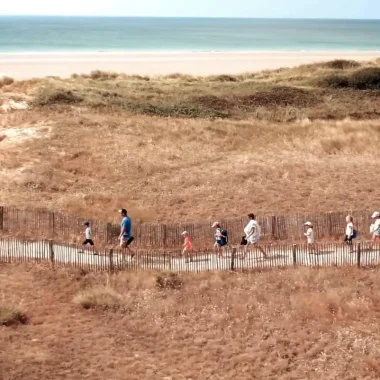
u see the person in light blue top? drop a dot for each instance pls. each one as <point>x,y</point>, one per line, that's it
<point>125,236</point>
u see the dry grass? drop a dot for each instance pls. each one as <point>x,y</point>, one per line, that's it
<point>6,81</point>
<point>293,324</point>
<point>171,169</point>
<point>90,145</point>
<point>100,298</point>
<point>10,315</point>
<point>281,95</point>
<point>168,280</point>
<point>364,79</point>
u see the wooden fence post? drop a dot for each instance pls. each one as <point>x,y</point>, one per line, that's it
<point>233,256</point>
<point>274,227</point>
<point>111,260</point>
<point>1,218</point>
<point>170,260</point>
<point>52,223</point>
<point>294,254</point>
<point>51,253</point>
<point>164,256</point>
<point>359,254</point>
<point>9,251</point>
<point>164,235</point>
<point>108,233</point>
<point>330,225</point>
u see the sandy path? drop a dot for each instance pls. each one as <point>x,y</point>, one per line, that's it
<point>329,255</point>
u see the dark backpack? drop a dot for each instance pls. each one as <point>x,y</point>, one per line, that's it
<point>354,234</point>
<point>225,234</point>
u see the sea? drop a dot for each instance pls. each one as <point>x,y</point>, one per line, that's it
<point>24,34</point>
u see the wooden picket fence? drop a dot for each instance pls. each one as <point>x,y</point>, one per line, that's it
<point>44,224</point>
<point>56,254</point>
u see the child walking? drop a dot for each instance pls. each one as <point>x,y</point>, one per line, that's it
<point>350,232</point>
<point>187,251</point>
<point>88,236</point>
<point>310,237</point>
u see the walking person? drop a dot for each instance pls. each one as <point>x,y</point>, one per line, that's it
<point>221,239</point>
<point>125,236</point>
<point>310,237</point>
<point>375,227</point>
<point>187,251</point>
<point>350,232</point>
<point>252,236</point>
<point>88,237</point>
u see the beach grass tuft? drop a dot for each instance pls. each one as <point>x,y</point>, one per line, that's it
<point>10,315</point>
<point>6,81</point>
<point>364,79</point>
<point>168,280</point>
<point>342,64</point>
<point>100,297</point>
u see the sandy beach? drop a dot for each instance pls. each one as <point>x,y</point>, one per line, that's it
<point>28,65</point>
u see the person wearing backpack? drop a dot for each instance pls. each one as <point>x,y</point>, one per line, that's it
<point>351,233</point>
<point>221,238</point>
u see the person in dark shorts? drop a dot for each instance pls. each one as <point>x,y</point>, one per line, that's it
<point>88,236</point>
<point>350,232</point>
<point>125,236</point>
<point>221,238</point>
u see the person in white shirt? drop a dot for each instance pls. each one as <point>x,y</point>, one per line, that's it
<point>88,235</point>
<point>252,236</point>
<point>375,227</point>
<point>310,237</point>
<point>349,231</point>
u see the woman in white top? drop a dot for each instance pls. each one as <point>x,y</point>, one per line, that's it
<point>349,231</point>
<point>310,237</point>
<point>375,227</point>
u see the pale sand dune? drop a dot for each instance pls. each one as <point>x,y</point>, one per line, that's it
<point>21,66</point>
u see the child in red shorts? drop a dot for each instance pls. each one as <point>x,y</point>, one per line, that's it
<point>187,251</point>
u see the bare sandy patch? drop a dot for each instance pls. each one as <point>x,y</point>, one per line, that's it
<point>18,135</point>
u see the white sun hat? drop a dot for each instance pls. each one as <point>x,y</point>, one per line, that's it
<point>184,233</point>
<point>376,214</point>
<point>215,224</point>
<point>308,224</point>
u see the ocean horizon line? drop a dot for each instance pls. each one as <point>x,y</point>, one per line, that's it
<point>131,52</point>
<point>191,17</point>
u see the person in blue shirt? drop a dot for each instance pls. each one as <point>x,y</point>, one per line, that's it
<point>125,236</point>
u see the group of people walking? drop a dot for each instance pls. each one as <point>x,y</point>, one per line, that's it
<point>351,231</point>
<point>251,238</point>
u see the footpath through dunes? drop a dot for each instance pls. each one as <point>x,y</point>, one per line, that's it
<point>292,324</point>
<point>361,254</point>
<point>183,148</point>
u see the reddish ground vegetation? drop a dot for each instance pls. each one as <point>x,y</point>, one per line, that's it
<point>293,324</point>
